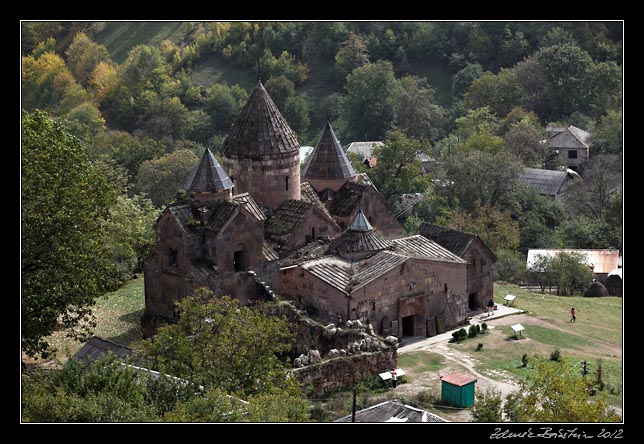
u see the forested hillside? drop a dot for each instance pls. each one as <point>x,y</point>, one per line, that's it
<point>145,99</point>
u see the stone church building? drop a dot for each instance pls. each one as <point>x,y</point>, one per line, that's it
<point>253,227</point>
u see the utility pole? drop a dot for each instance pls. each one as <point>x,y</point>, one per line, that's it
<point>355,394</point>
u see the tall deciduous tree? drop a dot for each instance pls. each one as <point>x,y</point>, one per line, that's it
<point>83,55</point>
<point>218,344</point>
<point>398,170</point>
<point>416,111</point>
<point>369,103</point>
<point>353,54</point>
<point>64,200</point>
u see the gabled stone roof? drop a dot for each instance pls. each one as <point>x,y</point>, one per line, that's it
<point>421,247</point>
<point>289,215</point>
<point>97,347</point>
<point>247,201</point>
<point>217,214</point>
<point>455,241</point>
<point>208,176</point>
<point>348,198</point>
<point>260,130</point>
<point>328,160</point>
<point>308,194</point>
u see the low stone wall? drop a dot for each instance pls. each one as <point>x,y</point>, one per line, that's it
<point>333,374</point>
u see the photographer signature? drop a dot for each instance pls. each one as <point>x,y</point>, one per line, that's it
<point>549,432</point>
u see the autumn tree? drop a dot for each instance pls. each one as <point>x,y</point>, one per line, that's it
<point>83,55</point>
<point>495,227</point>
<point>64,201</point>
<point>353,54</point>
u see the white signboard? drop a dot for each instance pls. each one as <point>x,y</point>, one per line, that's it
<point>387,375</point>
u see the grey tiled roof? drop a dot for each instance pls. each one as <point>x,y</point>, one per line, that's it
<point>360,222</point>
<point>348,276</point>
<point>393,411</point>
<point>547,182</point>
<point>571,137</point>
<point>289,215</point>
<point>359,237</point>
<point>420,246</point>
<point>363,149</point>
<point>348,198</point>
<point>313,250</point>
<point>454,240</point>
<point>328,160</point>
<point>208,176</point>
<point>219,213</point>
<point>269,253</point>
<point>308,194</point>
<point>260,130</point>
<point>247,201</point>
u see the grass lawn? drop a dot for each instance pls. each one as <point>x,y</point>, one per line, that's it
<point>118,318</point>
<point>420,362</point>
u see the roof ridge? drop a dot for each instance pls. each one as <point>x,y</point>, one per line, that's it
<point>208,175</point>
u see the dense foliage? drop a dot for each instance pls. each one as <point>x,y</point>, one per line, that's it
<point>219,373</point>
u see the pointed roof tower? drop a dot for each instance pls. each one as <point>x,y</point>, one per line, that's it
<point>208,178</point>
<point>328,161</point>
<point>260,130</point>
<point>360,239</point>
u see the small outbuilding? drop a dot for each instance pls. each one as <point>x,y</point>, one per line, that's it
<point>458,389</point>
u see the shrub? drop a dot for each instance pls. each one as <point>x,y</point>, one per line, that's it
<point>459,335</point>
<point>473,331</point>
<point>524,360</point>
<point>555,355</point>
<point>484,327</point>
<point>479,347</point>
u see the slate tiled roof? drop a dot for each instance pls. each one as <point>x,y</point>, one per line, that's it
<point>268,253</point>
<point>247,201</point>
<point>219,213</point>
<point>289,215</point>
<point>348,198</point>
<point>454,240</point>
<point>328,160</point>
<point>208,176</point>
<point>97,347</point>
<point>392,411</point>
<point>420,246</point>
<point>313,250</point>
<point>348,276</point>
<point>546,182</point>
<point>571,137</point>
<point>308,194</point>
<point>260,130</point>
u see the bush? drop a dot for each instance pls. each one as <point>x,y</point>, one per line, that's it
<point>479,346</point>
<point>484,327</point>
<point>524,360</point>
<point>473,331</point>
<point>555,355</point>
<point>459,335</point>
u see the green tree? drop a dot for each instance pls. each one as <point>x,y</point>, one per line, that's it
<point>524,140</point>
<point>398,170</point>
<point>477,175</point>
<point>369,103</point>
<point>125,149</point>
<point>353,54</point>
<point>462,80</point>
<point>83,55</point>
<point>539,218</point>
<point>218,344</point>
<point>160,179</point>
<point>607,138</point>
<point>224,103</point>
<point>500,92</point>
<point>64,200</point>
<point>541,271</point>
<point>129,233</point>
<point>297,114</point>
<point>570,271</point>
<point>280,89</point>
<point>89,116</point>
<point>416,111</point>
<point>556,392</point>
<point>487,407</point>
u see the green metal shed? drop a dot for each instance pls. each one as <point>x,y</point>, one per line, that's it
<point>458,389</point>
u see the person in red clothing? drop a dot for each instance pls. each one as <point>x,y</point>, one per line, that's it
<point>573,315</point>
<point>394,378</point>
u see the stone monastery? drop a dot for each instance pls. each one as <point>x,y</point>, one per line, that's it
<point>325,239</point>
